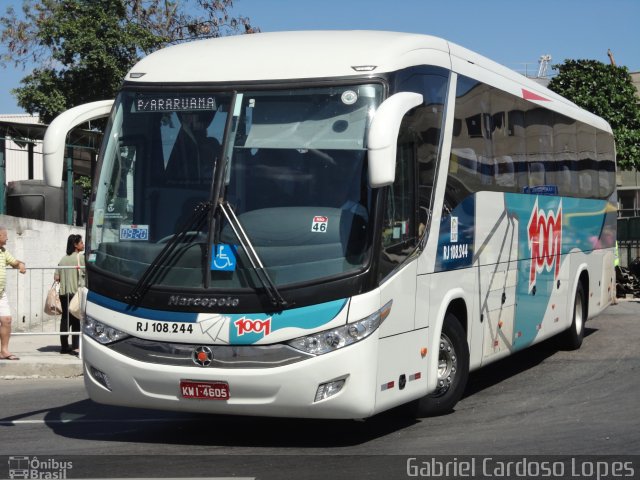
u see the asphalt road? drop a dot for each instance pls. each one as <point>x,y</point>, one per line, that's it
<point>538,402</point>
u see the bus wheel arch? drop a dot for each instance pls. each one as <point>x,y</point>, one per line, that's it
<point>452,363</point>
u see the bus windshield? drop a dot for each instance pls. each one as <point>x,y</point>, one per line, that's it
<point>295,177</point>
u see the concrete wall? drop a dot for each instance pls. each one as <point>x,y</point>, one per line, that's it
<point>40,245</point>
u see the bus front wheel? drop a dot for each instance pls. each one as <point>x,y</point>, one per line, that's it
<point>453,370</point>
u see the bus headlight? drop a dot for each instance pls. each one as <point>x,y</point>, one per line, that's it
<point>102,332</point>
<point>334,339</point>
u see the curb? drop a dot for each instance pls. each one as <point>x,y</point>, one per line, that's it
<point>39,358</point>
<point>28,368</point>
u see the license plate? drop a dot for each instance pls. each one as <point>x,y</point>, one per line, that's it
<point>204,390</point>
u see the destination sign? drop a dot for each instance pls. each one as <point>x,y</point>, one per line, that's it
<point>176,103</point>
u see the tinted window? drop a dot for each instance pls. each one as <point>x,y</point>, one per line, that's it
<point>506,144</point>
<point>408,201</point>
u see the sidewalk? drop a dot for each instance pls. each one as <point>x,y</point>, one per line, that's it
<point>39,357</point>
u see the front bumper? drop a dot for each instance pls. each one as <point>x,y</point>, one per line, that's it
<point>282,391</point>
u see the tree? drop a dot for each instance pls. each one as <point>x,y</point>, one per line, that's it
<point>83,48</point>
<point>607,91</point>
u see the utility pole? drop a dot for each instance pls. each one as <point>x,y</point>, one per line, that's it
<point>611,59</point>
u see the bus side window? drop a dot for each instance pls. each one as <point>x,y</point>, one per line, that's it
<point>586,184</point>
<point>399,233</point>
<point>408,201</point>
<point>536,174</point>
<point>564,180</point>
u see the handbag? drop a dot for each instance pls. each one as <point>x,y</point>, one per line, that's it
<point>78,302</point>
<point>52,304</point>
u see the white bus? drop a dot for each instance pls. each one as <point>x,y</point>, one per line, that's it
<point>332,224</point>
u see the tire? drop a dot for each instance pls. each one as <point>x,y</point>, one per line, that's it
<point>453,371</point>
<point>571,339</point>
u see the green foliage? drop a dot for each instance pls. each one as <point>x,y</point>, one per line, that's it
<point>607,91</point>
<point>91,48</point>
<point>85,183</point>
<point>84,48</point>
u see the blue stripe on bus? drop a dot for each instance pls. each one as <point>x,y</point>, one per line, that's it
<point>146,313</point>
<point>306,318</point>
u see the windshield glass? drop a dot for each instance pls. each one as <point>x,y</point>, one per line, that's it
<point>295,176</point>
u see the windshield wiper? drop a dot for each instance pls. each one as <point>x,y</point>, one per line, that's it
<point>193,223</point>
<point>270,288</point>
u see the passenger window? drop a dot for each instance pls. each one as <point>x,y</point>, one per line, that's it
<point>536,174</point>
<point>503,143</point>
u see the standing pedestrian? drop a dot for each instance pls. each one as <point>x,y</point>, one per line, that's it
<point>70,279</point>
<point>5,312</point>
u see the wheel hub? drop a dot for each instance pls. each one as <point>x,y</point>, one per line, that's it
<point>447,365</point>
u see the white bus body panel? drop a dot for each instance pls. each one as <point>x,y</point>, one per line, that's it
<point>290,55</point>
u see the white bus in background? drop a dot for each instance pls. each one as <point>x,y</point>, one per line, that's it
<point>332,224</point>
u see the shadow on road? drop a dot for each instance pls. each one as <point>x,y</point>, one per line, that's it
<point>514,364</point>
<point>92,421</point>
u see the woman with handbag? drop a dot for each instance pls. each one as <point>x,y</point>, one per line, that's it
<point>70,280</point>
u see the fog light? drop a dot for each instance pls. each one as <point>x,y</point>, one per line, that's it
<point>329,389</point>
<point>101,377</point>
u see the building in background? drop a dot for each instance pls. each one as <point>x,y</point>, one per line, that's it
<point>22,135</point>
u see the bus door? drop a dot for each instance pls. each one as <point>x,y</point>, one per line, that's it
<point>398,274</point>
<point>497,253</point>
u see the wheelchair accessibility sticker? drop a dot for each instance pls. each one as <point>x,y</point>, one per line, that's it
<point>224,258</point>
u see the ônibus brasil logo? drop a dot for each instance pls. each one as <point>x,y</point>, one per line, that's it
<point>545,241</point>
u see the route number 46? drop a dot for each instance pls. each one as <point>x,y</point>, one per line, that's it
<point>319,224</point>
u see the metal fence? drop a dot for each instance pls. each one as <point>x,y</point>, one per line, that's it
<point>628,239</point>
<point>27,295</point>
<point>628,252</point>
